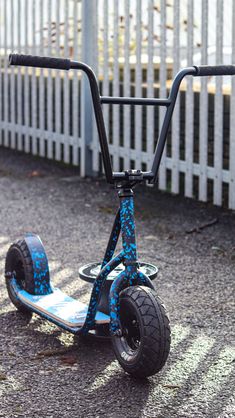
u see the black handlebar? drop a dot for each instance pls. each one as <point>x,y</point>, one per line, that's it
<point>66,64</point>
<point>214,70</point>
<point>42,62</point>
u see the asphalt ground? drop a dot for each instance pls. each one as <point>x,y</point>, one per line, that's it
<point>47,372</point>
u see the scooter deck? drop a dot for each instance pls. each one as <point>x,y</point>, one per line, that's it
<point>61,308</point>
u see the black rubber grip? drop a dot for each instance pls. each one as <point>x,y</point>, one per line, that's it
<point>41,62</point>
<point>204,70</point>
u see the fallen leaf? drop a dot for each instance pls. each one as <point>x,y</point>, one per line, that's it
<point>171,386</point>
<point>150,238</point>
<point>35,173</point>
<point>3,376</point>
<point>52,352</point>
<point>69,359</point>
<point>105,209</point>
<point>218,250</point>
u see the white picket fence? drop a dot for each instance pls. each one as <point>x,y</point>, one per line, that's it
<point>135,47</point>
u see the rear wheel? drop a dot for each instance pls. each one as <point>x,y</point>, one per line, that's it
<point>19,265</point>
<point>144,346</point>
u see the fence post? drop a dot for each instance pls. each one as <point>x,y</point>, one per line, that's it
<point>88,11</point>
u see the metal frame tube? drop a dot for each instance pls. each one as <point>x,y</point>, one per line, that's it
<point>113,239</point>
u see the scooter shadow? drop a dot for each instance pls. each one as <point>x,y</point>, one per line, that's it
<point>88,357</point>
<point>46,339</point>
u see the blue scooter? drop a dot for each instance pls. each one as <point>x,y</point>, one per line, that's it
<point>123,303</point>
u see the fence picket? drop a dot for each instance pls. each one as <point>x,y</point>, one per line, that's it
<point>116,88</point>
<point>66,85</point>
<point>95,65</point>
<point>1,77</point>
<point>150,90</point>
<point>189,129</point>
<point>126,87</point>
<point>105,71</point>
<point>6,79</point>
<point>41,86</point>
<point>176,115</point>
<point>26,81</point>
<point>19,76</point>
<point>138,86</point>
<point>75,92</point>
<point>232,124</point>
<point>58,96</point>
<point>203,117</point>
<point>33,83</point>
<point>162,92</point>
<point>12,84</point>
<point>49,81</point>
<point>218,116</point>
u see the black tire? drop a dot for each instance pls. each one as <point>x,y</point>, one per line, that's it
<point>19,263</point>
<point>143,348</point>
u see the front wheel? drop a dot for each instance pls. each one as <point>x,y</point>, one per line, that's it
<point>144,346</point>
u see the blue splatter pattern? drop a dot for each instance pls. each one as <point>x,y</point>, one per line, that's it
<point>41,274</point>
<point>112,240</point>
<point>96,291</point>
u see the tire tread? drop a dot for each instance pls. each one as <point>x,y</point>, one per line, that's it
<point>155,344</point>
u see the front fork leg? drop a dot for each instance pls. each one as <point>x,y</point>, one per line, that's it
<point>131,276</point>
<point>120,283</point>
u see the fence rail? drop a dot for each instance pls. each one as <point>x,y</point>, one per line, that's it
<point>135,47</point>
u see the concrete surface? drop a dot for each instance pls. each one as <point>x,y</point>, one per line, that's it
<point>46,372</point>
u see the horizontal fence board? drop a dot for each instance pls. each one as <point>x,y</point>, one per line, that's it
<point>169,164</point>
<point>47,135</point>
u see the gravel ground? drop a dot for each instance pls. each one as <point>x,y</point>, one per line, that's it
<point>46,372</point>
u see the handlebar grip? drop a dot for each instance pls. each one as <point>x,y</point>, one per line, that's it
<point>214,70</point>
<point>41,62</point>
